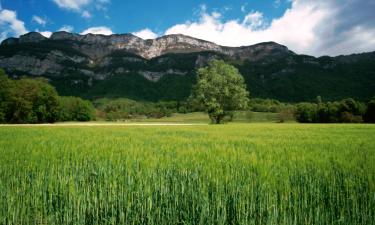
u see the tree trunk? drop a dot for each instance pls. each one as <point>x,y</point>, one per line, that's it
<point>218,119</point>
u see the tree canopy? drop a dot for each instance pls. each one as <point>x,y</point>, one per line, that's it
<point>34,100</point>
<point>221,89</point>
<point>27,100</point>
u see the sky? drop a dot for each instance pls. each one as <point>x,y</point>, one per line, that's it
<point>313,27</point>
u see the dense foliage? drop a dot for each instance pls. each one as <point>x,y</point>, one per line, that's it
<point>268,105</point>
<point>298,78</point>
<point>35,101</point>
<point>124,109</point>
<point>27,101</point>
<point>75,109</point>
<point>221,90</point>
<point>239,174</point>
<point>369,116</point>
<point>345,111</point>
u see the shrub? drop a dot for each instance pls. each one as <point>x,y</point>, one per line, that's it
<point>123,108</point>
<point>306,113</point>
<point>345,111</point>
<point>75,109</point>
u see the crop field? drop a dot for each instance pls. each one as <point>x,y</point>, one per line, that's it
<point>228,174</point>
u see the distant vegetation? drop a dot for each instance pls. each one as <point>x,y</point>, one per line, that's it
<point>345,111</point>
<point>126,109</point>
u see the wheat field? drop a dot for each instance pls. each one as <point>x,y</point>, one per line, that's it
<point>226,174</point>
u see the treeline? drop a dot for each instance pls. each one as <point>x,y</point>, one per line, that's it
<point>29,100</point>
<point>125,109</point>
<point>345,111</point>
<point>269,105</point>
<point>35,101</point>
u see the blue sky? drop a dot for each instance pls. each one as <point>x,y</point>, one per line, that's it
<point>316,27</point>
<point>130,16</point>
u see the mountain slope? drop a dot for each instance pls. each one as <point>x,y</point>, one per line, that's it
<point>95,66</point>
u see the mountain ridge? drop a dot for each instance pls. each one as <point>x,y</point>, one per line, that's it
<point>124,65</point>
<point>147,48</point>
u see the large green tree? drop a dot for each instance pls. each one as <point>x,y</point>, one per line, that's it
<point>33,101</point>
<point>221,89</point>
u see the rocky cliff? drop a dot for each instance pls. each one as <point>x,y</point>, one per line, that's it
<point>100,56</point>
<point>98,46</point>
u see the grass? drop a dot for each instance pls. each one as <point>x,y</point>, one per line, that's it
<point>200,117</point>
<point>226,174</point>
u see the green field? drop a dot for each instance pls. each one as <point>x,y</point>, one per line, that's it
<point>202,118</point>
<point>211,174</point>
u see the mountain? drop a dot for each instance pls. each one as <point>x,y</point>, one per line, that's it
<point>125,65</point>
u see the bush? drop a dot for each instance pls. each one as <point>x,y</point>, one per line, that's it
<point>345,111</point>
<point>306,113</point>
<point>75,109</point>
<point>122,108</point>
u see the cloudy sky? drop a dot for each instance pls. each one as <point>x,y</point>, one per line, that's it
<point>314,27</point>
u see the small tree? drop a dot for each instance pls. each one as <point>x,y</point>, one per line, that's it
<point>75,109</point>
<point>220,89</point>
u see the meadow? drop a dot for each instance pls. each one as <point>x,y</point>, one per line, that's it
<point>256,173</point>
<point>202,118</point>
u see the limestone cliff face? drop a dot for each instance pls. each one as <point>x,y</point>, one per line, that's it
<point>97,46</point>
<point>65,52</point>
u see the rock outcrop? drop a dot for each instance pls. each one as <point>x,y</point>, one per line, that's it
<point>100,56</point>
<point>97,46</point>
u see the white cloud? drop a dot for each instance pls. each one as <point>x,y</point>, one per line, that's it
<point>10,24</point>
<point>84,7</point>
<point>45,33</point>
<point>254,20</point>
<point>102,4</point>
<point>72,4</point>
<point>66,28</point>
<point>277,3</point>
<point>146,34</point>
<point>356,40</point>
<point>308,27</point>
<point>243,8</point>
<point>39,20</point>
<point>86,14</point>
<point>98,30</point>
